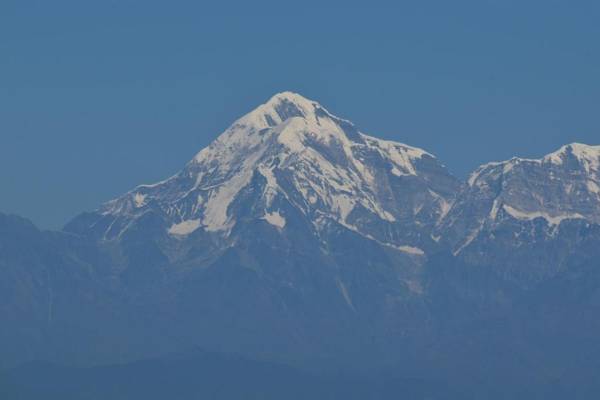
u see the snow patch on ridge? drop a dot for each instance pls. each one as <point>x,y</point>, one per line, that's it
<point>472,236</point>
<point>139,200</point>
<point>275,219</point>
<point>271,187</point>
<point>589,156</point>
<point>551,219</point>
<point>411,250</point>
<point>479,171</point>
<point>401,155</point>
<point>415,251</point>
<point>185,227</point>
<point>215,212</point>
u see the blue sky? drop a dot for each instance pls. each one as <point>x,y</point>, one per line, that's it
<point>97,97</point>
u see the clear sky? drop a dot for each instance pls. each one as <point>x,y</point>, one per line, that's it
<point>99,96</point>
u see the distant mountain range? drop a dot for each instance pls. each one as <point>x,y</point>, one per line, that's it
<point>295,238</point>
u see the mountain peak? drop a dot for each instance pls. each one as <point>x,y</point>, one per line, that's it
<point>285,118</point>
<point>587,155</point>
<point>291,156</point>
<point>290,97</point>
<point>280,108</point>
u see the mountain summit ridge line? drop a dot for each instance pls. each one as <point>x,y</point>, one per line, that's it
<point>290,128</point>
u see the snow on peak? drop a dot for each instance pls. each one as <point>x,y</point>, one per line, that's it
<point>185,227</point>
<point>588,156</point>
<point>291,98</point>
<point>294,121</point>
<point>279,108</point>
<point>293,150</point>
<point>563,185</point>
<point>258,126</point>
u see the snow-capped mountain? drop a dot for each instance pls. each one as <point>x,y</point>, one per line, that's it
<point>291,216</point>
<point>294,156</point>
<point>508,213</point>
<point>305,175</point>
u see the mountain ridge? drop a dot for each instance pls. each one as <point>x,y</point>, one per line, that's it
<point>320,158</point>
<point>296,238</point>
